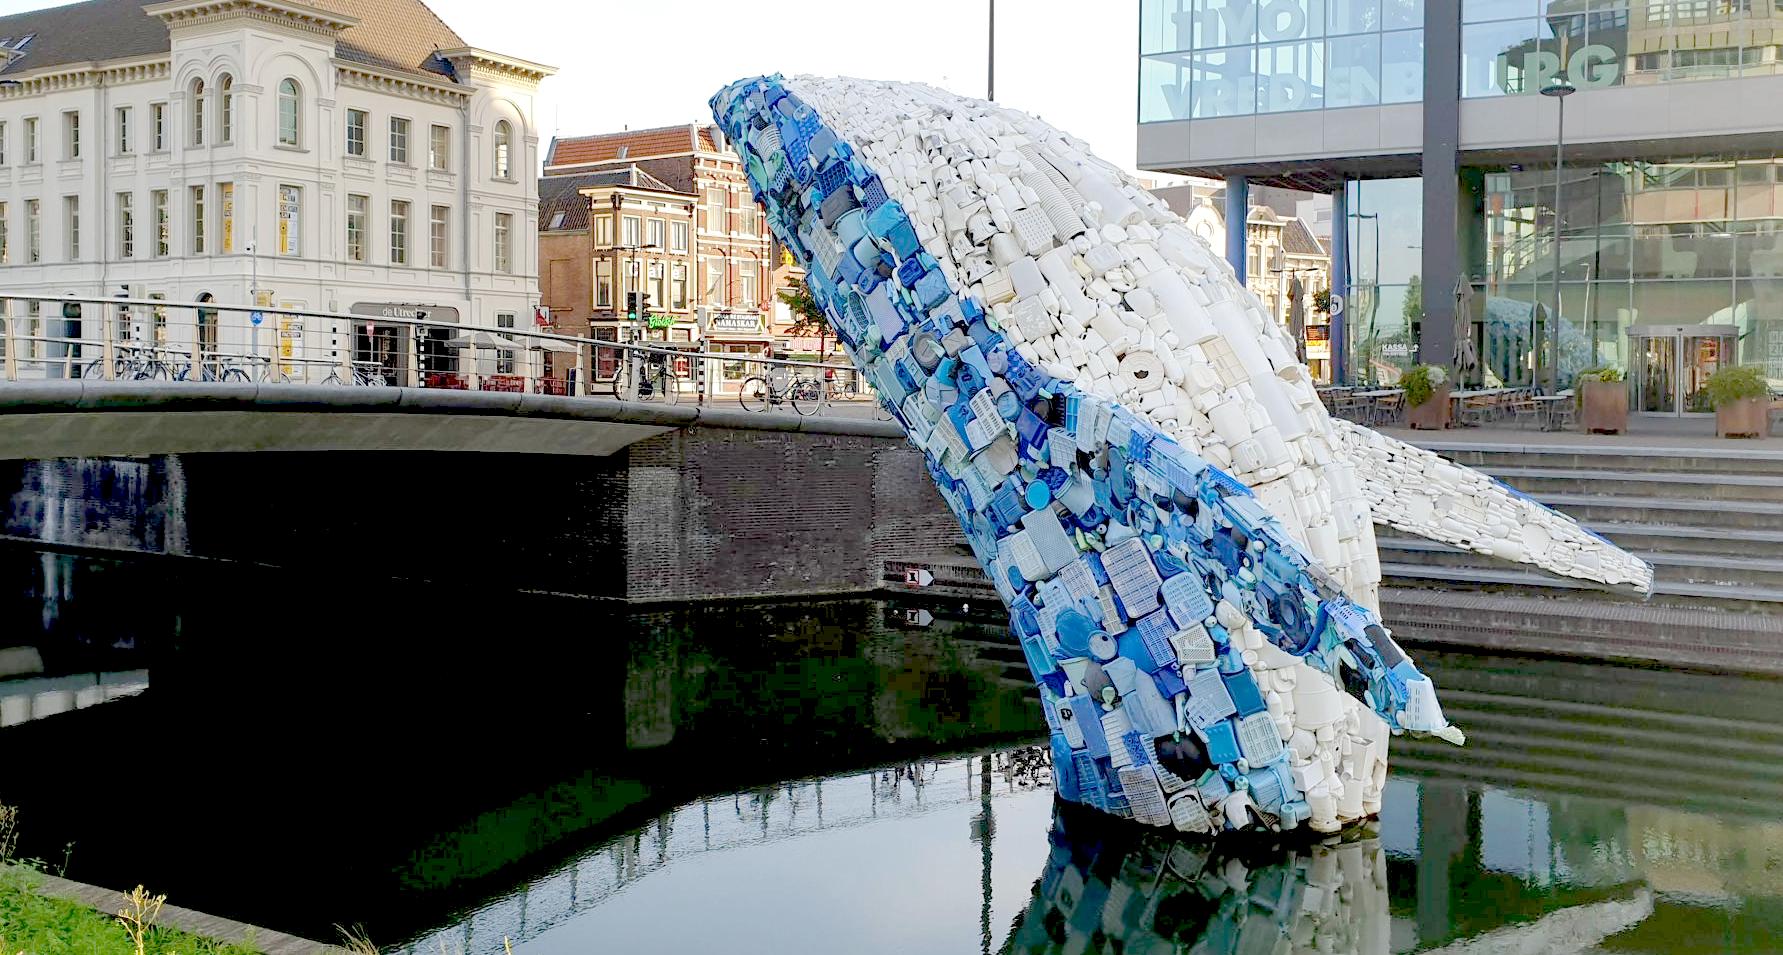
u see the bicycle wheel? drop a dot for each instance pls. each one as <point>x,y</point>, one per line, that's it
<point>808,396</point>
<point>235,375</point>
<point>152,371</point>
<point>669,387</point>
<point>755,394</point>
<point>94,369</point>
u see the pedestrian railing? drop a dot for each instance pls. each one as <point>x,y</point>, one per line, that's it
<point>47,337</point>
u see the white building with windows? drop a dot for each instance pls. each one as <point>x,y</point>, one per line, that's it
<point>338,155</point>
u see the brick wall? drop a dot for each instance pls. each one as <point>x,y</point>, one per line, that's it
<point>743,513</point>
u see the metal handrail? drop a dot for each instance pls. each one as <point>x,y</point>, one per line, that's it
<point>392,320</point>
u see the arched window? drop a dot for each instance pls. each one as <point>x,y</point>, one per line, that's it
<point>225,109</point>
<point>197,112</point>
<point>504,148</point>
<point>289,102</point>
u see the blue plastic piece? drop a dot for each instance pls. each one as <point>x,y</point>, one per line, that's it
<point>1246,698</point>
<point>1221,740</point>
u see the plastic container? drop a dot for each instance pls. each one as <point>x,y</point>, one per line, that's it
<point>1222,742</point>
<point>1209,703</point>
<point>1258,740</point>
<point>1135,579</point>
<point>1144,796</point>
<point>1186,598</point>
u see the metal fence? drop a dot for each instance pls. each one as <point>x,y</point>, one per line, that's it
<point>46,337</point>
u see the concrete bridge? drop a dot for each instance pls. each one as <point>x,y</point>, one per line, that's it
<point>88,418</point>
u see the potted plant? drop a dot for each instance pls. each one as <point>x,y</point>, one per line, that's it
<point>1741,398</point>
<point>1427,397</point>
<point>1603,401</point>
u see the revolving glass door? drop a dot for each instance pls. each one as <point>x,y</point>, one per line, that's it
<point>1669,364</point>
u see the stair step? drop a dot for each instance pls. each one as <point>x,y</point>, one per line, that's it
<point>1618,483</point>
<point>1734,458</point>
<point>1733,571</point>
<point>1596,509</point>
<point>1664,591</point>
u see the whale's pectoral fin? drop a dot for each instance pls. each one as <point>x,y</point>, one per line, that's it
<point>1422,493</point>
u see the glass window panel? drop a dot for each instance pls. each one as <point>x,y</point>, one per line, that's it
<point>1402,66</point>
<point>1479,11</point>
<point>1224,23</point>
<point>1279,21</point>
<point>1165,25</point>
<point>1402,14</point>
<point>1498,58</point>
<point>1291,76</point>
<point>1223,83</point>
<point>1612,257</point>
<point>1354,16</point>
<point>1164,87</point>
<point>1354,75</point>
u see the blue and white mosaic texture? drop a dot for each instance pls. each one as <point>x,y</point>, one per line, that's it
<point>1182,535</point>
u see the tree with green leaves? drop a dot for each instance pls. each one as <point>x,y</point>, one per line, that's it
<point>808,317</point>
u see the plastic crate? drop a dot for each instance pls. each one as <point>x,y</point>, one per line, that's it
<point>1133,575</point>
<point>1209,703</point>
<point>872,194</point>
<point>1155,631</point>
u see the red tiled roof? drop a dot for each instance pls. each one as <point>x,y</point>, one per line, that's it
<point>637,144</point>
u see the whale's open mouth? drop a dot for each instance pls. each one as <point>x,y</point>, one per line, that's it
<point>1137,459</point>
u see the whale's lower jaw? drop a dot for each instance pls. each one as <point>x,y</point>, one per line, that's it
<point>1197,668</point>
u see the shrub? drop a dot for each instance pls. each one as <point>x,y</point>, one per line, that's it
<point>1736,383</point>
<point>1421,382</point>
<point>1606,373</point>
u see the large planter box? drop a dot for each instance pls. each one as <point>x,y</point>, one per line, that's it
<point>1746,418</point>
<point>1433,414</point>
<point>1603,407</point>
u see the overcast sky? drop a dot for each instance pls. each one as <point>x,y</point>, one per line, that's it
<point>642,63</point>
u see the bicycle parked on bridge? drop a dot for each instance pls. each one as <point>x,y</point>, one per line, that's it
<point>806,394</point>
<point>657,379</point>
<point>366,374</point>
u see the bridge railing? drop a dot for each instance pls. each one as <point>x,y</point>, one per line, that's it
<point>46,337</point>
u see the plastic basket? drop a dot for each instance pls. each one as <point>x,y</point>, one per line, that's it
<point>872,194</point>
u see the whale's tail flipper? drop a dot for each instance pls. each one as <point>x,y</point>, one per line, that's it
<point>1420,492</point>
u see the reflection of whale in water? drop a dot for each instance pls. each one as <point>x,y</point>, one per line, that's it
<point>1119,889</point>
<point>1151,895</point>
<point>1181,533</point>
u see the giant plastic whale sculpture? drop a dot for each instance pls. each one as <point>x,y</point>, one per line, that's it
<point>1182,535</point>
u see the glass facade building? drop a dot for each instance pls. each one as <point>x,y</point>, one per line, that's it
<point>1671,199</point>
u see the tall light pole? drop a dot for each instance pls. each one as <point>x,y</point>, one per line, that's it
<point>990,82</point>
<point>1560,89</point>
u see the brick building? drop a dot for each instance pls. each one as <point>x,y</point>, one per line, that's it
<point>728,288</point>
<point>604,235</point>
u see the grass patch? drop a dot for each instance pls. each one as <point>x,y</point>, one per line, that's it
<point>35,924</point>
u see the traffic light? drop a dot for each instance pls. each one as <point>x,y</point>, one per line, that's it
<point>637,305</point>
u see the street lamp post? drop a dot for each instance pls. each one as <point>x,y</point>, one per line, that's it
<point>1560,89</point>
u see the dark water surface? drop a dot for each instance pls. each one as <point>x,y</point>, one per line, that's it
<point>451,768</point>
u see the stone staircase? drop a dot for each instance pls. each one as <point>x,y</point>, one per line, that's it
<point>1709,520</point>
<point>1711,527</point>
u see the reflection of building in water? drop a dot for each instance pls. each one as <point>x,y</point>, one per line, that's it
<point>24,700</point>
<point>764,817</point>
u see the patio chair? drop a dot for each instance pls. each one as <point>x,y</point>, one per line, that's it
<point>1387,409</point>
<point>1525,409</point>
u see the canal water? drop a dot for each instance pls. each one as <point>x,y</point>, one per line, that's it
<point>451,769</point>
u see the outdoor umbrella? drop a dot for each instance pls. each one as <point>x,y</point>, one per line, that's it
<point>1467,359</point>
<point>1297,316</point>
<point>482,339</point>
